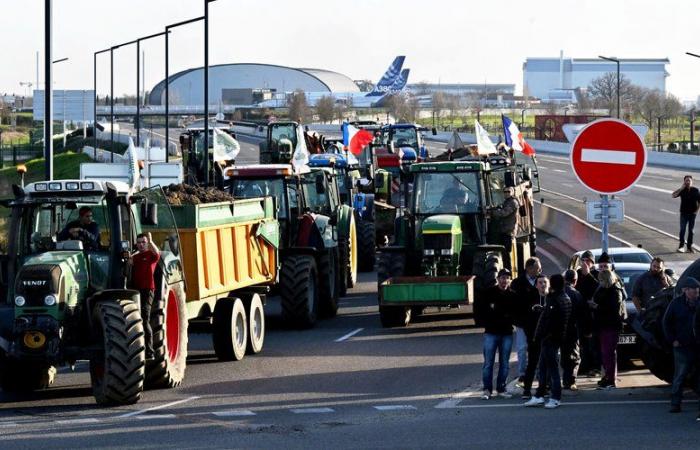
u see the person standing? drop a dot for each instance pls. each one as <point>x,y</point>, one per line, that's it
<point>494,311</point>
<point>690,202</point>
<point>551,332</point>
<point>507,218</point>
<point>579,328</point>
<point>679,324</point>
<point>608,312</point>
<point>533,344</point>
<point>649,283</point>
<point>144,263</point>
<point>587,284</point>
<point>526,296</point>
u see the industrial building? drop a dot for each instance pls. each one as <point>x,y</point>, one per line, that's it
<point>558,79</point>
<point>245,84</point>
<point>490,95</point>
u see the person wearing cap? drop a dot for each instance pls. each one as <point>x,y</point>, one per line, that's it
<point>679,325</point>
<point>551,332</point>
<point>608,317</point>
<point>690,203</point>
<point>506,217</point>
<point>526,293</point>
<point>587,284</point>
<point>494,312</point>
<point>578,329</point>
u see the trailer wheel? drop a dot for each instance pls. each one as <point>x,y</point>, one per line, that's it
<point>230,329</point>
<point>117,376</point>
<point>169,326</point>
<point>298,286</point>
<point>365,243</point>
<point>391,265</point>
<point>256,324</point>
<point>24,376</point>
<point>329,283</point>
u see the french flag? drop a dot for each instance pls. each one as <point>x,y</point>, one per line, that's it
<point>355,139</point>
<point>514,138</point>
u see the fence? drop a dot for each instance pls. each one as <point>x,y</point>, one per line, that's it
<point>15,154</point>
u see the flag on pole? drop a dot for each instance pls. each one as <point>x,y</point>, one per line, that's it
<point>226,148</point>
<point>300,157</point>
<point>355,139</point>
<point>134,180</point>
<point>514,138</point>
<point>455,141</point>
<point>483,143</point>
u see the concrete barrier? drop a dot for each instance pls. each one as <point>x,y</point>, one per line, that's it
<point>574,232</point>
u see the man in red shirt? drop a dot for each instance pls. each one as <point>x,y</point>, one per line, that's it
<point>144,263</point>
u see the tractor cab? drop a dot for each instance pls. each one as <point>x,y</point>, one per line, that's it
<point>401,144</point>
<point>280,143</point>
<point>192,145</point>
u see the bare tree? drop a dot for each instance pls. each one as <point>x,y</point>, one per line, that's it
<point>298,107</point>
<point>603,91</point>
<point>437,105</point>
<point>325,108</point>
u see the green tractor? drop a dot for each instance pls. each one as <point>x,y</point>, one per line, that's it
<point>456,242</point>
<point>313,245</point>
<point>66,300</point>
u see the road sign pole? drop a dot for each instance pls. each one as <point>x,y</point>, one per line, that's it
<point>605,221</point>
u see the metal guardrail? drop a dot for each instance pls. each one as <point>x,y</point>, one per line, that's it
<point>15,154</point>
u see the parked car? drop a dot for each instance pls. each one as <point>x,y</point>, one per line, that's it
<point>618,255</point>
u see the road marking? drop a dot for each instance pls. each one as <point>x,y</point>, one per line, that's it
<point>569,185</point>
<point>312,410</point>
<point>559,170</point>
<point>234,413</point>
<point>394,407</point>
<point>456,399</point>
<point>542,167</point>
<point>667,211</point>
<point>156,416</point>
<point>77,421</point>
<point>556,162</point>
<point>565,404</point>
<point>349,335</point>
<point>154,408</point>
<point>652,188</point>
<point>608,156</point>
<point>8,425</point>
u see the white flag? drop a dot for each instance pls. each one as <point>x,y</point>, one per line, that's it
<point>300,157</point>
<point>226,148</point>
<point>132,158</point>
<point>455,141</point>
<point>484,144</point>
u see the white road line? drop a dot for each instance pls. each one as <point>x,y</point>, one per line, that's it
<point>542,167</point>
<point>569,185</point>
<point>564,404</point>
<point>77,421</point>
<point>312,410</point>
<point>234,413</point>
<point>154,408</point>
<point>559,170</point>
<point>566,163</point>
<point>8,425</point>
<point>548,255</point>
<point>667,211</point>
<point>349,335</point>
<point>456,399</point>
<point>652,188</point>
<point>156,416</point>
<point>608,156</point>
<point>394,407</point>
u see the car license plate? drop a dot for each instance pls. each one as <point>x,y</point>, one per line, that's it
<point>627,339</point>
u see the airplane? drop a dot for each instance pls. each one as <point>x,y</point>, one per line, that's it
<point>394,80</point>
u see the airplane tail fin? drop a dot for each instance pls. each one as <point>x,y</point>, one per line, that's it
<point>392,72</point>
<point>401,81</point>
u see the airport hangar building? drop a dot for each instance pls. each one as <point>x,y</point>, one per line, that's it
<point>247,83</point>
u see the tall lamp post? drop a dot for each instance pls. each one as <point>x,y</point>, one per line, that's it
<point>167,80</point>
<point>48,93</point>
<point>94,103</point>
<point>111,96</point>
<point>616,61</point>
<point>206,90</point>
<point>138,84</point>
<point>63,110</point>
<point>692,112</point>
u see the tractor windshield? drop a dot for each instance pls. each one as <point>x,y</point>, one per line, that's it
<point>446,193</point>
<point>404,137</point>
<point>280,132</point>
<point>269,187</point>
<point>319,195</point>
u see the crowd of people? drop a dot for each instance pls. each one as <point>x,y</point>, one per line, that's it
<point>568,324</point>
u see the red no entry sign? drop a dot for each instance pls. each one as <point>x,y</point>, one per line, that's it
<point>608,156</point>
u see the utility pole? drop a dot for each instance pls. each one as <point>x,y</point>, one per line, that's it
<point>616,61</point>
<point>48,94</point>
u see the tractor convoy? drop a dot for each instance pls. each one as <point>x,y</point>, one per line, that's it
<point>236,235</point>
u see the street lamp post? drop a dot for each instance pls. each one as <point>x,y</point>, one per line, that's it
<point>138,84</point>
<point>692,112</point>
<point>94,102</point>
<point>167,80</point>
<point>48,93</point>
<point>63,109</point>
<point>616,61</point>
<point>206,90</point>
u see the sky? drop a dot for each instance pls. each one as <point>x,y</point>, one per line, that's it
<point>444,40</point>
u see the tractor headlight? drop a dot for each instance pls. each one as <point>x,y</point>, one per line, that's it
<point>446,251</point>
<point>50,300</point>
<point>429,252</point>
<point>20,301</point>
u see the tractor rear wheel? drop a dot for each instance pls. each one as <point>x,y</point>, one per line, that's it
<point>329,283</point>
<point>299,289</point>
<point>365,244</point>
<point>23,376</point>
<point>117,376</point>
<point>230,329</point>
<point>344,257</point>
<point>391,265</point>
<point>352,252</point>
<point>169,327</point>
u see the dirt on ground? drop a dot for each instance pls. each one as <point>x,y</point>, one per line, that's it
<point>185,194</point>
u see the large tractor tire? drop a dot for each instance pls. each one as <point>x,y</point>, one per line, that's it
<point>169,326</point>
<point>230,329</point>
<point>352,252</point>
<point>329,283</point>
<point>391,265</point>
<point>299,291</point>
<point>256,323</point>
<point>24,376</point>
<point>365,244</point>
<point>117,376</point>
<point>344,257</point>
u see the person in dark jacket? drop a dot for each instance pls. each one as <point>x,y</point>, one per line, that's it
<point>526,293</point>
<point>506,217</point>
<point>608,314</point>
<point>587,284</point>
<point>579,328</point>
<point>530,324</point>
<point>551,332</point>
<point>680,329</point>
<point>83,229</point>
<point>494,311</point>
